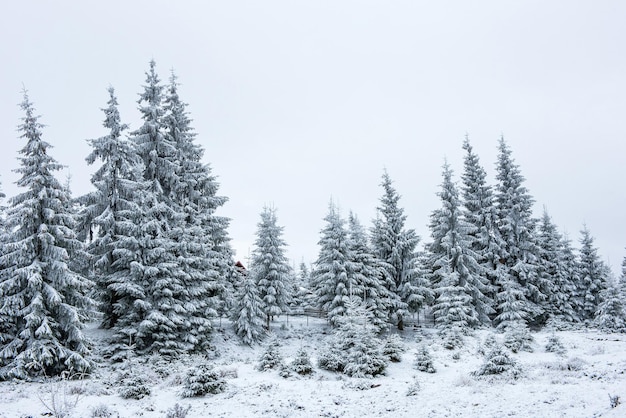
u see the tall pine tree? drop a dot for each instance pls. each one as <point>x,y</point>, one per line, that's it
<point>269,266</point>
<point>333,277</point>
<point>396,247</point>
<point>459,284</point>
<point>44,302</point>
<point>516,226</point>
<point>592,273</point>
<point>109,214</point>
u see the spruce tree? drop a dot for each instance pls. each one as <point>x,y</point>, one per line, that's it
<point>459,286</point>
<point>396,247</point>
<point>156,314</point>
<point>368,272</point>
<point>109,213</point>
<point>569,270</point>
<point>593,275</point>
<point>611,312</point>
<point>553,269</point>
<point>480,213</point>
<point>248,315</point>
<point>45,303</point>
<point>269,266</point>
<point>203,250</point>
<point>333,278</point>
<point>516,226</point>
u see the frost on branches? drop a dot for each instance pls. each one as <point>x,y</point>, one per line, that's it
<point>45,303</point>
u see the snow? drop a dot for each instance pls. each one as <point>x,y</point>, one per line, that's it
<point>575,384</point>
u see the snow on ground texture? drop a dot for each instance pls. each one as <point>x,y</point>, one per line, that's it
<point>574,384</point>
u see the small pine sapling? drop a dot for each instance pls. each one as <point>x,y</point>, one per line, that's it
<point>302,363</point>
<point>518,338</point>
<point>487,345</point>
<point>201,381</point>
<point>555,345</point>
<point>452,338</point>
<point>423,360</point>
<point>271,358</point>
<point>394,347</point>
<point>414,387</point>
<point>498,362</point>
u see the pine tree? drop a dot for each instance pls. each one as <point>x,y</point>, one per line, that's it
<point>553,269</point>
<point>203,250</point>
<point>368,272</point>
<point>269,266</point>
<point>480,213</point>
<point>332,275</point>
<point>45,303</point>
<point>593,275</point>
<point>611,312</point>
<point>156,312</point>
<point>516,226</point>
<point>456,274</point>
<point>109,213</point>
<point>248,315</point>
<point>396,247</point>
<point>569,270</point>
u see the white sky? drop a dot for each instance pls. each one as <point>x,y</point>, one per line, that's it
<point>300,101</point>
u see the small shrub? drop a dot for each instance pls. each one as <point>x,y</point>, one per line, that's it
<point>134,387</point>
<point>486,346</point>
<point>101,411</point>
<point>394,347</point>
<point>518,338</point>
<point>177,411</point>
<point>331,360</point>
<point>554,345</point>
<point>202,380</point>
<point>414,388</point>
<point>614,400</point>
<point>498,362</point>
<point>301,363</point>
<point>423,360</point>
<point>452,338</point>
<point>271,357</point>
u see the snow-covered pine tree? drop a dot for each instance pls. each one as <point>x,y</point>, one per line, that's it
<point>480,213</point>
<point>459,283</point>
<point>45,303</point>
<point>204,254</point>
<point>157,313</point>
<point>396,247</point>
<point>109,213</point>
<point>611,313</point>
<point>553,270</point>
<point>516,226</point>
<point>269,266</point>
<point>332,275</point>
<point>368,272</point>
<point>247,315</point>
<point>570,271</point>
<point>592,273</point>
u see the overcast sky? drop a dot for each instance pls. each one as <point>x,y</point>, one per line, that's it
<point>296,102</point>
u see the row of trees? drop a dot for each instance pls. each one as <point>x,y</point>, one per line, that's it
<point>489,262</point>
<point>147,251</point>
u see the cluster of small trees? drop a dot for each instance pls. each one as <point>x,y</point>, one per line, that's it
<point>147,251</point>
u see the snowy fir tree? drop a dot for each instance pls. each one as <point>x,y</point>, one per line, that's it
<point>109,214</point>
<point>45,303</point>
<point>156,305</point>
<point>516,226</point>
<point>396,247</point>
<point>592,273</point>
<point>269,266</point>
<point>455,273</point>
<point>611,313</point>
<point>203,251</point>
<point>479,211</point>
<point>511,304</point>
<point>368,272</point>
<point>354,348</point>
<point>568,268</point>
<point>333,275</point>
<point>553,269</point>
<point>248,316</point>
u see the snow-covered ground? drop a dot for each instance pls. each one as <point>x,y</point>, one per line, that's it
<point>574,384</point>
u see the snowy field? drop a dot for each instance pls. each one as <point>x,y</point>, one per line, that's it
<point>576,383</point>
